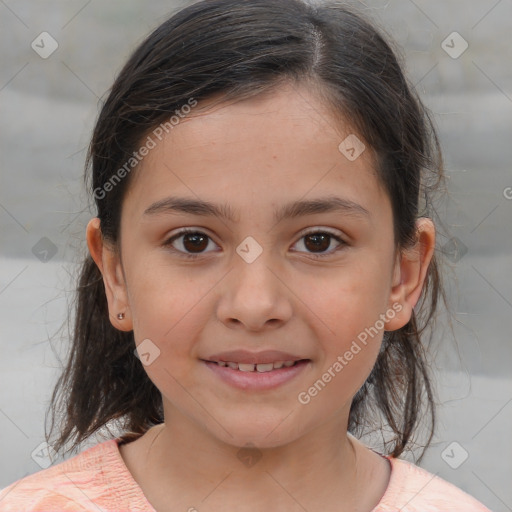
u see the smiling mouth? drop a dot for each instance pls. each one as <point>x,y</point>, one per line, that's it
<point>261,367</point>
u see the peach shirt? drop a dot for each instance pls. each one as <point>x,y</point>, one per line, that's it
<point>98,479</point>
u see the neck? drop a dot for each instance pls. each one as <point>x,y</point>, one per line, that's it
<point>183,464</point>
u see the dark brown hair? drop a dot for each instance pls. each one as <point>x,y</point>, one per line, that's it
<point>236,49</point>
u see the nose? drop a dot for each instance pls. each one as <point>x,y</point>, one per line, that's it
<point>254,296</point>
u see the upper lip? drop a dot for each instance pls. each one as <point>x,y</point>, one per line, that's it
<point>247,357</point>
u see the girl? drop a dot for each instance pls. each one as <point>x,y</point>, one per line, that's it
<point>261,270</point>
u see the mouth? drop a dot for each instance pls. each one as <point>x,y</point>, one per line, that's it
<point>257,377</point>
<point>261,367</point>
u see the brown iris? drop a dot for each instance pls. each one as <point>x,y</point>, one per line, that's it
<point>321,241</point>
<point>198,241</point>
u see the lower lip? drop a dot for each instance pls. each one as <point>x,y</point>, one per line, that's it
<point>257,380</point>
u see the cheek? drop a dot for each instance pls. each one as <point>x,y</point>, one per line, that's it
<point>350,335</point>
<point>349,300</point>
<point>349,306</point>
<point>339,380</point>
<point>173,323</point>
<point>165,304</point>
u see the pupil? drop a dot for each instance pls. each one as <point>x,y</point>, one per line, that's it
<point>322,241</point>
<point>196,241</point>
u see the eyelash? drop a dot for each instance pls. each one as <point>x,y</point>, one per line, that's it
<point>186,231</point>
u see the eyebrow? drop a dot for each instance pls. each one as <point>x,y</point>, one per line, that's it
<point>292,210</point>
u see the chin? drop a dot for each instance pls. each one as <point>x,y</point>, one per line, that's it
<point>262,433</point>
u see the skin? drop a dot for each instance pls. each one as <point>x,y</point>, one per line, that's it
<point>256,155</point>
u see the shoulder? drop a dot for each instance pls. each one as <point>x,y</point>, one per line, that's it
<point>94,477</point>
<point>413,489</point>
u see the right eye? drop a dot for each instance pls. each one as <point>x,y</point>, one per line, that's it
<point>191,240</point>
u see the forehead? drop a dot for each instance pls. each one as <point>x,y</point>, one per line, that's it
<point>284,116</point>
<point>267,147</point>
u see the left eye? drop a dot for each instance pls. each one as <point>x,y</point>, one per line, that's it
<point>320,241</point>
<point>197,242</point>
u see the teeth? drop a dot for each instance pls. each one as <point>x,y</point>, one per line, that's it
<point>245,367</point>
<point>265,367</point>
<point>262,367</point>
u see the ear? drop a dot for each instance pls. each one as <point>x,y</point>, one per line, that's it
<point>108,261</point>
<point>409,274</point>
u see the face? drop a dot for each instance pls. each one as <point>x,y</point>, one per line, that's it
<point>320,286</point>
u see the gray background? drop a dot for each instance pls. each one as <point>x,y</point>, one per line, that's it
<point>48,107</point>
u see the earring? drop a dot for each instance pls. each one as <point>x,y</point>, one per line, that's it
<point>120,316</point>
